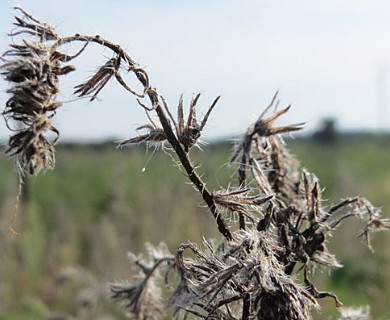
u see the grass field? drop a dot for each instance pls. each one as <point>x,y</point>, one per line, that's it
<point>78,222</point>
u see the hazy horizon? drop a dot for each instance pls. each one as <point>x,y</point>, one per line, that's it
<point>326,59</point>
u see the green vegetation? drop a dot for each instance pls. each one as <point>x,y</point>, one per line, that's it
<point>98,204</point>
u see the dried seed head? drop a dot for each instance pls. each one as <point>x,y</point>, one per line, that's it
<point>142,301</point>
<point>97,82</point>
<point>33,151</point>
<point>262,137</point>
<point>189,132</point>
<point>32,26</point>
<point>33,70</point>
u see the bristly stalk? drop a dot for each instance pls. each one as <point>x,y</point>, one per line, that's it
<point>36,151</point>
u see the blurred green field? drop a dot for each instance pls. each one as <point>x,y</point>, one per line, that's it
<point>98,204</point>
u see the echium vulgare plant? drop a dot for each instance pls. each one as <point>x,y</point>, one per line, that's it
<point>272,222</point>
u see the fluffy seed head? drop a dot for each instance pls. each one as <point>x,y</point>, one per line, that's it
<point>32,68</point>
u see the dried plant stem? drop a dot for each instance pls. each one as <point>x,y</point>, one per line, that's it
<point>170,135</point>
<point>192,174</point>
<point>246,306</point>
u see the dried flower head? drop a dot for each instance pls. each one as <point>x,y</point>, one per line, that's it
<point>143,300</point>
<point>260,135</point>
<point>33,69</point>
<point>189,131</point>
<point>97,82</point>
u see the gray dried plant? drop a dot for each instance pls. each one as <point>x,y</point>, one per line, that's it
<point>261,267</point>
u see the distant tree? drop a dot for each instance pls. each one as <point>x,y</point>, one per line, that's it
<point>327,133</point>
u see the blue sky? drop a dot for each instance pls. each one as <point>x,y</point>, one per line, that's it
<point>326,58</point>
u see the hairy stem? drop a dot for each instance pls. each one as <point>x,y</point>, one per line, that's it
<point>171,136</point>
<point>192,174</point>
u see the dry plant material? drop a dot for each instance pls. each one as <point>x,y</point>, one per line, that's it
<point>189,131</point>
<point>33,151</point>
<point>283,226</point>
<point>33,69</point>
